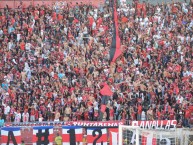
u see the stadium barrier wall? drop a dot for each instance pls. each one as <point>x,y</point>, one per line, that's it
<point>184,136</point>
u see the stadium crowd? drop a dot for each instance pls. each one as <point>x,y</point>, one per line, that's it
<point>55,60</point>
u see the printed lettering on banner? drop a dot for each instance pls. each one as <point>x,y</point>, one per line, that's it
<point>43,135</point>
<point>159,124</point>
<point>10,136</point>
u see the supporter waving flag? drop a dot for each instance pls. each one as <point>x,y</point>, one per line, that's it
<point>106,91</point>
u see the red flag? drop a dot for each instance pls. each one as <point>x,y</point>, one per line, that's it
<point>106,91</point>
<point>75,20</point>
<point>124,20</point>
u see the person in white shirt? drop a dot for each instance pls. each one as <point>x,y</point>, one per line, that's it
<point>7,109</point>
<point>18,37</point>
<point>179,99</point>
<point>95,14</point>
<point>85,30</point>
<point>95,104</point>
<point>57,116</point>
<point>94,26</point>
<point>10,45</point>
<point>1,32</point>
<point>17,116</point>
<point>40,118</point>
<point>143,117</point>
<point>25,116</point>
<point>28,46</point>
<point>101,29</point>
<point>79,98</point>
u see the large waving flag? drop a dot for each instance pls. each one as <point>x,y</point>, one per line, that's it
<point>113,136</point>
<point>96,136</point>
<point>115,50</point>
<point>72,135</point>
<point>106,91</point>
<point>43,135</point>
<point>10,136</point>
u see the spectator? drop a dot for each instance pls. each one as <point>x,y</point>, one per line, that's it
<point>40,118</point>
<point>58,139</point>
<point>22,142</point>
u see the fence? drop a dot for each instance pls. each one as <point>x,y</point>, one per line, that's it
<point>26,3</point>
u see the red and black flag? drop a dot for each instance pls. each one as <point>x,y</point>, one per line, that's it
<point>115,50</point>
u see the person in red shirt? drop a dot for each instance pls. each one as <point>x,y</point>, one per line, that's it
<point>32,115</point>
<point>78,114</point>
<point>133,114</point>
<point>111,112</point>
<point>158,114</point>
<point>86,115</point>
<point>96,115</point>
<point>187,115</point>
<point>22,45</point>
<point>139,111</point>
<point>12,110</point>
<point>124,115</point>
<point>172,114</point>
<point>36,114</point>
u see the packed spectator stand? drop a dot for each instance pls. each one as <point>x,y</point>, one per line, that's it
<point>55,61</point>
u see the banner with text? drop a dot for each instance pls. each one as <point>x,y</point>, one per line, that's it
<point>155,124</point>
<point>71,135</point>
